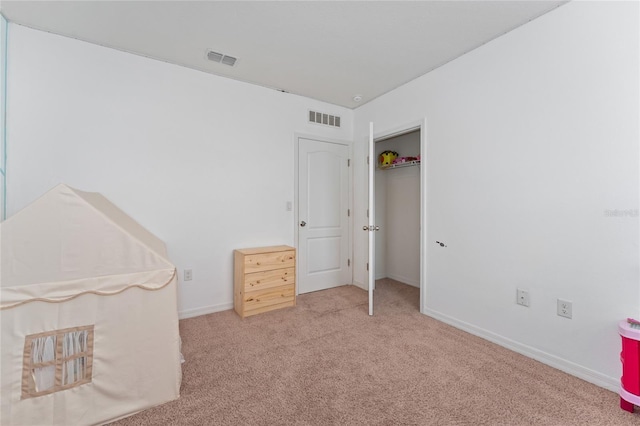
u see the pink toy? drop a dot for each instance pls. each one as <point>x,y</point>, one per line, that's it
<point>402,160</point>
<point>630,357</point>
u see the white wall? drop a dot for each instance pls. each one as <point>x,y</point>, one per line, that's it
<point>403,225</point>
<point>3,58</point>
<point>205,163</point>
<point>532,142</point>
<point>380,177</point>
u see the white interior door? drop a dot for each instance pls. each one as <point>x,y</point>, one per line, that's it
<point>371,227</point>
<point>323,221</point>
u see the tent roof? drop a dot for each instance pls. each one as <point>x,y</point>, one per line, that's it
<point>69,235</point>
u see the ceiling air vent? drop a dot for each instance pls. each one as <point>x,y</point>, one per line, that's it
<point>326,119</point>
<point>220,58</point>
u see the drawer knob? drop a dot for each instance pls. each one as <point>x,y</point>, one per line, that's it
<point>258,282</point>
<point>258,263</point>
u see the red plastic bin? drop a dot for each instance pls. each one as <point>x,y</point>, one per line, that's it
<point>630,358</point>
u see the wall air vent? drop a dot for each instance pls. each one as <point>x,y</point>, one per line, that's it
<point>221,58</point>
<point>325,119</point>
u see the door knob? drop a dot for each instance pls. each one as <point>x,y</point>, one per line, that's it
<point>377,228</point>
<point>365,228</point>
<point>303,223</point>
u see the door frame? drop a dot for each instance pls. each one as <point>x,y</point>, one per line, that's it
<point>296,179</point>
<point>397,131</point>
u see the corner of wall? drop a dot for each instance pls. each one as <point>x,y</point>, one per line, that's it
<point>4,31</point>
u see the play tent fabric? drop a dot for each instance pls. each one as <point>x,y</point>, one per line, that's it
<point>88,314</point>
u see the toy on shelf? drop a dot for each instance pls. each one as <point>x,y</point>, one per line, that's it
<point>403,160</point>
<point>386,158</point>
<point>630,358</point>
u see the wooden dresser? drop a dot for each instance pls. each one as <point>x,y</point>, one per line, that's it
<point>264,279</point>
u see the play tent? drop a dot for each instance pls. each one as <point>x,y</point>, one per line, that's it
<point>88,314</point>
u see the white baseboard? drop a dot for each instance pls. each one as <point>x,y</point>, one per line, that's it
<point>591,376</point>
<point>405,280</point>
<point>196,312</point>
<point>360,285</point>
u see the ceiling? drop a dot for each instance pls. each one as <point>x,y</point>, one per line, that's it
<point>326,50</point>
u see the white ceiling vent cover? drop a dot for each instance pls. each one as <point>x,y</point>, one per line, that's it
<point>325,119</point>
<point>221,58</point>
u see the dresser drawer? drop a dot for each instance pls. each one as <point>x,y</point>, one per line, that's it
<point>264,279</point>
<point>269,279</point>
<point>269,261</point>
<point>272,297</point>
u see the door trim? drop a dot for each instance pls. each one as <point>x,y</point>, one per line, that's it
<point>296,220</point>
<point>424,232</point>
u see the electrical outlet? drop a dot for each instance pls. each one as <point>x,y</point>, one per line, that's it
<point>565,308</point>
<point>188,274</point>
<point>522,297</point>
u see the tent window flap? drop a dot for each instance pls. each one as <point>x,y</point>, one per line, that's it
<point>57,360</point>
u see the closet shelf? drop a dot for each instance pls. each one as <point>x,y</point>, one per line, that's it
<point>400,165</point>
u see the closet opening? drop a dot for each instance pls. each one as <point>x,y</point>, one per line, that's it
<point>397,183</point>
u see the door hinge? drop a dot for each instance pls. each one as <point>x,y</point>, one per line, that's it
<point>348,162</point>
<point>367,159</point>
<point>348,262</point>
<point>367,266</point>
<point>367,212</point>
<point>348,212</point>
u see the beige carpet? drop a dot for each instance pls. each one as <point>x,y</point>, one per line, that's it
<point>326,362</point>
